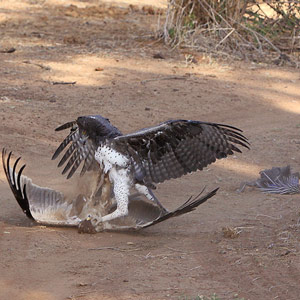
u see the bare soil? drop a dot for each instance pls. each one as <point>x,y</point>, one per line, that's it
<point>235,245</point>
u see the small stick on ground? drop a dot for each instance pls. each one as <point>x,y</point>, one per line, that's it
<point>164,78</point>
<point>115,248</point>
<point>183,251</point>
<point>63,82</point>
<point>38,65</point>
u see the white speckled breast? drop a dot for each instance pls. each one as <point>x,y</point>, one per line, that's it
<point>108,157</point>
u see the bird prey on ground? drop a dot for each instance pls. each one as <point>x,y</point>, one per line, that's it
<point>278,180</point>
<point>51,207</point>
<point>144,158</point>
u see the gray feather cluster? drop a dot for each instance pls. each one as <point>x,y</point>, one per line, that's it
<point>276,181</point>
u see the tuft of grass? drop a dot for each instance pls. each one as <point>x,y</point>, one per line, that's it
<point>212,297</point>
<point>251,29</point>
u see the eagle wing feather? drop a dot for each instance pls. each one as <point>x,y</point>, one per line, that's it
<point>81,149</point>
<point>168,150</point>
<point>177,147</point>
<point>86,134</point>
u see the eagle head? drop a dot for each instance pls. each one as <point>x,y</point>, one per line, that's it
<point>96,127</point>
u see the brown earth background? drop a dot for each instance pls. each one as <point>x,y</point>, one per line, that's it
<point>107,48</point>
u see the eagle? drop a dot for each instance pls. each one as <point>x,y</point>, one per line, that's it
<point>116,165</point>
<point>144,158</point>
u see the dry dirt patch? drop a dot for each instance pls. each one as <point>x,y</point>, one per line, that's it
<point>181,258</point>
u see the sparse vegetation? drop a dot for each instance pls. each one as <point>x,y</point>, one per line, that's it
<point>212,297</point>
<point>247,29</point>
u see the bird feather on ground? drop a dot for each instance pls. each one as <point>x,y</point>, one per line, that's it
<point>278,180</point>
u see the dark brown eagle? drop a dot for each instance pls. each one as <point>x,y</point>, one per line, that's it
<point>137,161</point>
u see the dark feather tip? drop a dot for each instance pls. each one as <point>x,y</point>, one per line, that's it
<point>65,126</point>
<point>190,205</point>
<point>15,183</point>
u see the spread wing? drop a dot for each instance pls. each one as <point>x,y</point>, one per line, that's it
<point>86,133</point>
<point>14,181</point>
<point>81,149</point>
<point>178,147</point>
<point>42,204</point>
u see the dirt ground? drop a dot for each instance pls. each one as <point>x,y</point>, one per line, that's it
<point>107,52</point>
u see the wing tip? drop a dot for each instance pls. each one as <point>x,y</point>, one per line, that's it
<point>65,126</point>
<point>15,183</point>
<point>190,205</point>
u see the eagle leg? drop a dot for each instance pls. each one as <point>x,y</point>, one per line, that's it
<point>106,199</point>
<point>150,196</point>
<point>98,182</point>
<point>121,187</point>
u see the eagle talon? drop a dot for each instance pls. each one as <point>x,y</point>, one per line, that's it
<point>99,227</point>
<point>86,226</point>
<point>95,221</point>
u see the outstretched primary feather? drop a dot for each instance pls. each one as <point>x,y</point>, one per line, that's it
<point>168,150</point>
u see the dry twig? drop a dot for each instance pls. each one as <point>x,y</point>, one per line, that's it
<point>47,68</point>
<point>164,78</point>
<point>115,249</point>
<point>63,82</point>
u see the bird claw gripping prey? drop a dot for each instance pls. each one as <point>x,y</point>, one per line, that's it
<point>278,180</point>
<point>86,226</point>
<point>119,165</point>
<point>50,207</point>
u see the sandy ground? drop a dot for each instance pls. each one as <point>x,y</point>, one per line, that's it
<point>180,258</point>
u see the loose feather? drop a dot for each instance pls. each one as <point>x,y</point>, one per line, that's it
<point>278,180</point>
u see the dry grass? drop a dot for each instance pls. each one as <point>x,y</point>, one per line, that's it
<point>253,30</point>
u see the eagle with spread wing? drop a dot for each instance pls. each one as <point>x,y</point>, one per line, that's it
<point>144,158</point>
